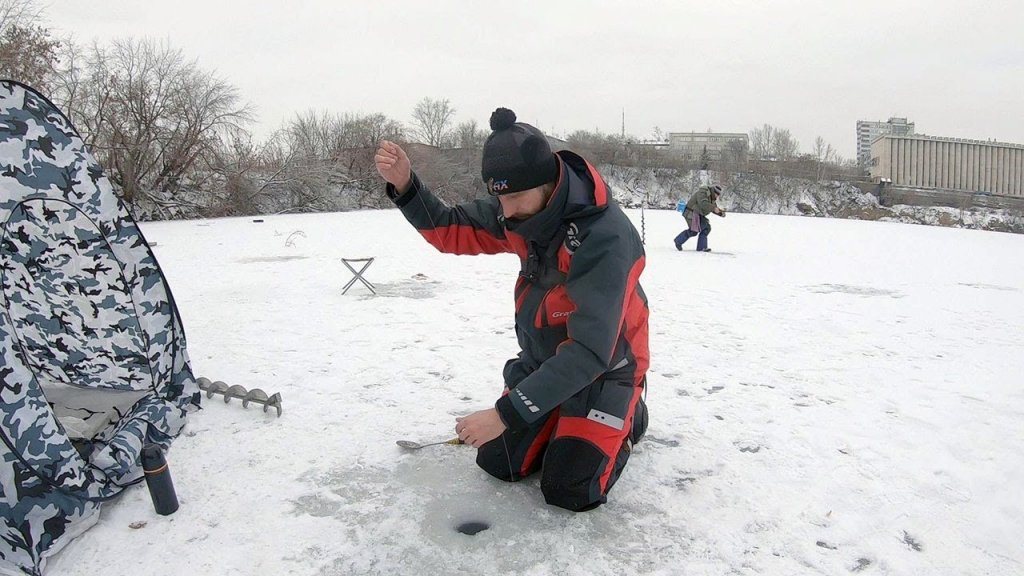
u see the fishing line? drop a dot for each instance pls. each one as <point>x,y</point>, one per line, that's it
<point>444,248</point>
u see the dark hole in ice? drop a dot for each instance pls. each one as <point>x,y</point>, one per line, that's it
<point>472,527</point>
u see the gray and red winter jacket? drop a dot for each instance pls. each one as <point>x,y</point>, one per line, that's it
<point>580,311</point>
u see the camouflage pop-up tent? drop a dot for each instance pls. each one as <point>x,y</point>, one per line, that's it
<point>94,362</point>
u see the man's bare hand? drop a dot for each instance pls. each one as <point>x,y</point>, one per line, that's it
<point>479,427</point>
<point>393,165</point>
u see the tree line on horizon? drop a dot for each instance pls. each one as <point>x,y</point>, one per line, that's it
<point>174,138</point>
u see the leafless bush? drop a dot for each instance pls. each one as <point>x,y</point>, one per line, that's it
<point>150,116</point>
<point>28,53</point>
<point>432,121</point>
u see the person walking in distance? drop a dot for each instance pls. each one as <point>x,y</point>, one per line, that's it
<point>702,203</point>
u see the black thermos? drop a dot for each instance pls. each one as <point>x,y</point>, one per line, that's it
<point>158,478</point>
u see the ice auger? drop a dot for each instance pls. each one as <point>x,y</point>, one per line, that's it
<point>246,396</point>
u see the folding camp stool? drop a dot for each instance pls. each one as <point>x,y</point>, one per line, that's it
<point>358,275</point>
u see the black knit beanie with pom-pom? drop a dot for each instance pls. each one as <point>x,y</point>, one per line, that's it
<point>516,156</point>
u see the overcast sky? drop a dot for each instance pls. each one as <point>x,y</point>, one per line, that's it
<point>815,67</point>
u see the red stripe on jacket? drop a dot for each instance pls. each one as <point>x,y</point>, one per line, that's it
<point>634,316</point>
<point>464,239</point>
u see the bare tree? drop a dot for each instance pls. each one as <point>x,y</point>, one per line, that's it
<point>323,135</point>
<point>238,189</point>
<point>432,121</point>
<point>453,174</point>
<point>784,145</point>
<point>736,151</point>
<point>315,136</point>
<point>647,154</point>
<point>762,142</point>
<point>83,90</point>
<point>285,174</point>
<point>328,160</point>
<point>27,52</point>
<point>469,135</point>
<point>824,156</point>
<point>597,147</point>
<point>353,172</point>
<point>733,159</point>
<point>19,13</point>
<point>368,131</point>
<point>150,115</point>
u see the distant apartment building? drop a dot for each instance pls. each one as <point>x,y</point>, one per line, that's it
<point>867,132</point>
<point>692,144</point>
<point>957,164</point>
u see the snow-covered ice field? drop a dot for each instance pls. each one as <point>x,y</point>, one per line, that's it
<point>829,397</point>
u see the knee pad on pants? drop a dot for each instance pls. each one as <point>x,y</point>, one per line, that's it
<point>493,459</point>
<point>572,472</point>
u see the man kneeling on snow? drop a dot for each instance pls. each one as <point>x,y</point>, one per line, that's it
<point>572,404</point>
